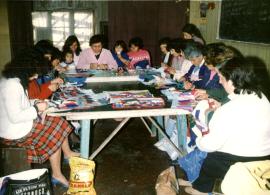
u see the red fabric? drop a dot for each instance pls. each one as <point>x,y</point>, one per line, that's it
<point>36,91</point>
<point>44,139</point>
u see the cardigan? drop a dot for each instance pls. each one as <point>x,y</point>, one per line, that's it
<point>88,57</point>
<point>36,91</point>
<point>203,76</point>
<point>240,127</point>
<point>16,113</point>
<point>118,61</point>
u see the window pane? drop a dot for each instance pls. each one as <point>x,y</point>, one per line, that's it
<point>60,28</point>
<point>60,19</point>
<point>40,19</point>
<point>83,27</point>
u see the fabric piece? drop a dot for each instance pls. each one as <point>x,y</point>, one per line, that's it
<point>194,158</point>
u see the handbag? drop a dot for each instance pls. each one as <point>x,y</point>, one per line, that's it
<point>34,181</point>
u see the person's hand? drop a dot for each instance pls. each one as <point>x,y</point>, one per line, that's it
<point>188,85</point>
<point>213,104</point>
<point>200,94</point>
<point>53,86</point>
<point>171,70</point>
<point>60,69</point>
<point>120,70</point>
<point>164,65</point>
<point>103,66</point>
<point>57,80</point>
<point>41,106</point>
<point>93,66</point>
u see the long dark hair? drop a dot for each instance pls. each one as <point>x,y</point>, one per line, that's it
<point>193,31</point>
<point>69,41</point>
<point>245,76</point>
<point>26,64</point>
<point>122,44</point>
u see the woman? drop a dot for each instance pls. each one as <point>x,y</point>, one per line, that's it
<point>20,120</point>
<point>72,43</point>
<point>179,66</point>
<point>239,130</point>
<point>96,57</point>
<point>216,55</point>
<point>190,31</point>
<point>139,57</point>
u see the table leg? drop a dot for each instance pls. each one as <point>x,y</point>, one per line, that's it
<point>85,138</point>
<point>178,150</point>
<point>109,138</point>
<point>181,124</point>
<point>147,127</point>
<point>159,119</point>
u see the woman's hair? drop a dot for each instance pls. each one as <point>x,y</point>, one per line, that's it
<point>193,49</point>
<point>96,39</point>
<point>218,53</point>
<point>193,31</point>
<point>26,64</point>
<point>244,75</point>
<point>44,47</point>
<point>56,54</point>
<point>69,41</point>
<point>122,44</point>
<point>177,44</point>
<point>137,41</point>
<point>164,41</point>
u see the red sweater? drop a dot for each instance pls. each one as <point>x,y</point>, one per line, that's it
<point>36,91</point>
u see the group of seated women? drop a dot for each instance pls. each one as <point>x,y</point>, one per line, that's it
<point>239,130</point>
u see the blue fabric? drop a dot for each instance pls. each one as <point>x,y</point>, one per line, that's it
<point>204,74</point>
<point>192,163</point>
<point>78,80</point>
<point>118,61</point>
<point>142,64</point>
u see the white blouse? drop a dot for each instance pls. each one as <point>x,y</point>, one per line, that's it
<point>16,112</point>
<point>240,127</point>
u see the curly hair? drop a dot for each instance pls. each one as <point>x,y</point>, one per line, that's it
<point>217,53</point>
<point>26,64</point>
<point>177,44</point>
<point>243,75</point>
<point>69,41</point>
<point>137,41</point>
<point>97,39</point>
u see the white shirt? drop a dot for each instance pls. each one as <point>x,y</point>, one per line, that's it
<point>16,112</point>
<point>240,127</point>
<point>166,58</point>
<point>186,64</point>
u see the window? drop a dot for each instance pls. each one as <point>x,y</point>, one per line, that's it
<point>58,25</point>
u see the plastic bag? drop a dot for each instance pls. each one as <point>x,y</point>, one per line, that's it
<point>81,176</point>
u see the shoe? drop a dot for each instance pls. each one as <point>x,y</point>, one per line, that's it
<point>66,161</point>
<point>161,144</point>
<point>56,182</point>
<point>75,147</point>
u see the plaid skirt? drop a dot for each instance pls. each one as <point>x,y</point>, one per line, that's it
<point>43,139</point>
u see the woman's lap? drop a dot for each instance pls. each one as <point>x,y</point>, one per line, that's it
<point>43,139</point>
